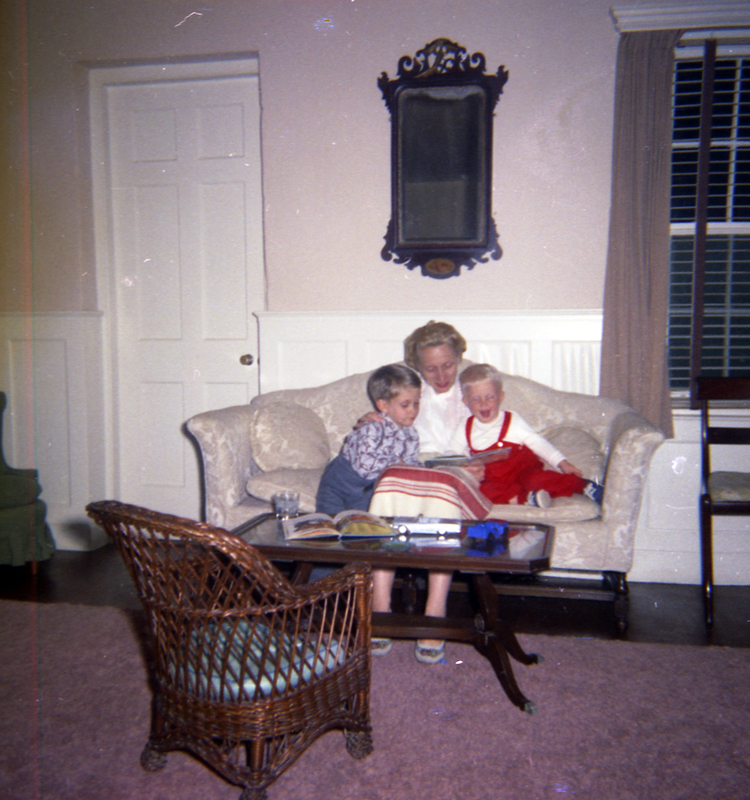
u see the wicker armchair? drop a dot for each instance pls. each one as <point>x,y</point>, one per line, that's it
<point>249,670</point>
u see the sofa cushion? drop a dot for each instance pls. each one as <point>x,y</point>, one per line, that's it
<point>288,435</point>
<point>563,509</point>
<point>580,448</point>
<point>304,481</point>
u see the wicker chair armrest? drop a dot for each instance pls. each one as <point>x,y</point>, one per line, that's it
<point>357,575</point>
<point>338,580</point>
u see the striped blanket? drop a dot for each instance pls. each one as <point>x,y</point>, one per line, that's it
<point>445,492</point>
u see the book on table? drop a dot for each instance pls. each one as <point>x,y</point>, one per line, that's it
<point>464,461</point>
<point>344,524</point>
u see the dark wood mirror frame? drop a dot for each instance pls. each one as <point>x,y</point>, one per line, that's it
<point>441,104</point>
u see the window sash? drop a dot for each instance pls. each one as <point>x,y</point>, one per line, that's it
<point>726,307</point>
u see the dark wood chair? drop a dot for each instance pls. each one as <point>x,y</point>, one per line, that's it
<point>722,493</point>
<point>248,669</point>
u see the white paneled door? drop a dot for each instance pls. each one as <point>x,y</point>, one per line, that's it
<point>185,271</point>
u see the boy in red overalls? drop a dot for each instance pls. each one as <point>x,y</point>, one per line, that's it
<point>521,478</point>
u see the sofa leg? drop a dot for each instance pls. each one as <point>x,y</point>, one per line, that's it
<point>618,582</point>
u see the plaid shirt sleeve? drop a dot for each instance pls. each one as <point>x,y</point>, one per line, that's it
<point>378,445</point>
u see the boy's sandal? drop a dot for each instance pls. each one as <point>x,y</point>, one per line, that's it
<point>429,655</point>
<point>381,647</point>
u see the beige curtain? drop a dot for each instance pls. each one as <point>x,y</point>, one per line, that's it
<point>636,289</point>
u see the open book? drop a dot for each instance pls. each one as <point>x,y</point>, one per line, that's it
<point>345,523</point>
<point>462,461</point>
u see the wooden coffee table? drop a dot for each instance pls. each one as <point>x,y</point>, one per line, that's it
<point>529,552</point>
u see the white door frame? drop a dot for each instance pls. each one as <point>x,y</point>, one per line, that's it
<point>100,78</point>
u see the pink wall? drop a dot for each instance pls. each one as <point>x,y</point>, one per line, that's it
<point>326,143</point>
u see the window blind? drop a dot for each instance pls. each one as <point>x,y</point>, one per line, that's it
<point>725,346</point>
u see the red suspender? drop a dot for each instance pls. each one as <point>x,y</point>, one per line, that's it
<point>503,429</point>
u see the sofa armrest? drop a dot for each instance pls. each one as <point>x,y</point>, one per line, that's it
<point>633,441</point>
<point>224,440</point>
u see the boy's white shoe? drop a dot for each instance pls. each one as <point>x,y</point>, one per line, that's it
<point>540,499</point>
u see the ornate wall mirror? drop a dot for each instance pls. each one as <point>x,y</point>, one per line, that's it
<point>441,105</point>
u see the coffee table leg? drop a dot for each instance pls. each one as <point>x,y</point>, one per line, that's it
<point>302,572</point>
<point>496,641</point>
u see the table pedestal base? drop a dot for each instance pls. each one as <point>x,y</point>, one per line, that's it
<point>492,637</point>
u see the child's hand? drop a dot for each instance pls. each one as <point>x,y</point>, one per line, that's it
<point>370,416</point>
<point>569,469</point>
<point>477,470</point>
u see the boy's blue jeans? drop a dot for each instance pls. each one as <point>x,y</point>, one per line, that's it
<point>342,488</point>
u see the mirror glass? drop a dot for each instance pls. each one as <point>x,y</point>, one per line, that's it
<point>442,105</point>
<point>441,165</point>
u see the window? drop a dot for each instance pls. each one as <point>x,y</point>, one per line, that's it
<point>725,348</point>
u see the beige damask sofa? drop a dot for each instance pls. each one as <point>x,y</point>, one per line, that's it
<point>284,439</point>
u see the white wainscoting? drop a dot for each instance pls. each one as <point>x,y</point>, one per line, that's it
<point>51,369</point>
<point>559,348</point>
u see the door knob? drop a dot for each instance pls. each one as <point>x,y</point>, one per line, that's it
<point>247,360</point>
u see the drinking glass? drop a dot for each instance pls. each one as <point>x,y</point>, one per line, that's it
<point>286,504</point>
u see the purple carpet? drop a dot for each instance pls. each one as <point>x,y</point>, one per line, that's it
<point>615,720</point>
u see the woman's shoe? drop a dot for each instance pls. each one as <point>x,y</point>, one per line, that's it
<point>381,647</point>
<point>429,655</point>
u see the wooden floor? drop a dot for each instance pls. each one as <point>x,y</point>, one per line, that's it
<point>666,613</point>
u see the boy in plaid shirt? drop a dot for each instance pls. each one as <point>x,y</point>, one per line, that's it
<point>349,480</point>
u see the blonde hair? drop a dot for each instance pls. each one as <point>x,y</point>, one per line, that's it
<point>433,334</point>
<point>478,373</point>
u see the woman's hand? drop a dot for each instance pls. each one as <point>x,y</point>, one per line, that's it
<point>569,469</point>
<point>370,416</point>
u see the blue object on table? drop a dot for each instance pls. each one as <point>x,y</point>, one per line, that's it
<point>491,527</point>
<point>489,538</point>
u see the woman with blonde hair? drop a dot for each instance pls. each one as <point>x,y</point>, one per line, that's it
<point>435,351</point>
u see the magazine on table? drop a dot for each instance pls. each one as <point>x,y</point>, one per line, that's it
<point>344,524</point>
<point>464,461</point>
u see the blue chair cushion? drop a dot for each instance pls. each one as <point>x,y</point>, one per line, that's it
<point>228,664</point>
